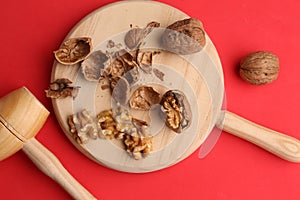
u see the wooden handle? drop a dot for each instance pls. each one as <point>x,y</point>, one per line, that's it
<point>277,143</point>
<point>52,167</point>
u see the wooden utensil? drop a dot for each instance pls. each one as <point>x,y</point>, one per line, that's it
<point>204,79</point>
<point>21,117</point>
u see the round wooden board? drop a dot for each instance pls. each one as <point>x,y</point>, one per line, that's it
<point>113,21</point>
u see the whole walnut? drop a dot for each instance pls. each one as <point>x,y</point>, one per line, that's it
<point>184,37</point>
<point>259,68</point>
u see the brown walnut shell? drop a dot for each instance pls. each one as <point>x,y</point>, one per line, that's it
<point>121,90</point>
<point>73,50</point>
<point>184,37</point>
<point>93,66</point>
<point>143,98</point>
<point>176,110</point>
<point>135,36</point>
<point>259,68</point>
<point>60,88</point>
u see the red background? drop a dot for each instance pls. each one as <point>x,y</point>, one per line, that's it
<point>235,169</point>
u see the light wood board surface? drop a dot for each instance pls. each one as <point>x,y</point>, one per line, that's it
<point>180,73</point>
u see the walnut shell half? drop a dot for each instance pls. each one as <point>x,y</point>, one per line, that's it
<point>93,66</point>
<point>135,36</point>
<point>184,37</point>
<point>259,68</point>
<point>143,98</point>
<point>73,50</point>
<point>176,110</point>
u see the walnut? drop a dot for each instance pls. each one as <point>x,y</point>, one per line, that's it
<point>109,125</point>
<point>115,123</point>
<point>83,126</point>
<point>73,50</point>
<point>119,124</point>
<point>93,66</point>
<point>259,68</point>
<point>135,36</point>
<point>143,98</point>
<point>138,147</point>
<point>176,110</point>
<point>124,121</point>
<point>61,88</point>
<point>139,143</point>
<point>184,37</point>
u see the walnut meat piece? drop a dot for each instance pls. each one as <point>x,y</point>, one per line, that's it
<point>176,110</point>
<point>139,143</point>
<point>115,123</point>
<point>135,36</point>
<point>73,50</point>
<point>143,98</point>
<point>259,68</point>
<point>138,147</point>
<point>83,126</point>
<point>93,66</point>
<point>184,37</point>
<point>61,88</point>
<point>119,124</point>
<point>109,125</point>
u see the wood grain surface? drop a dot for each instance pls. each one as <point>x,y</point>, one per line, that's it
<point>180,73</point>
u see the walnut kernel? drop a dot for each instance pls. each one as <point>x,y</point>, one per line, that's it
<point>83,126</point>
<point>109,125</point>
<point>138,147</point>
<point>119,124</point>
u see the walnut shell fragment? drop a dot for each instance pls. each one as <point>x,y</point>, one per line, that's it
<point>83,126</point>
<point>122,62</point>
<point>121,91</point>
<point>176,110</point>
<point>61,88</point>
<point>135,36</point>
<point>259,68</point>
<point>73,50</point>
<point>144,60</point>
<point>159,74</point>
<point>143,98</point>
<point>93,66</point>
<point>184,37</point>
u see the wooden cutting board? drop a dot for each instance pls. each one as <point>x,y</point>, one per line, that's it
<point>112,22</point>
